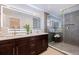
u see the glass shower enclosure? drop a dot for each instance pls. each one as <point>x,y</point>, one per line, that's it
<point>70,44</point>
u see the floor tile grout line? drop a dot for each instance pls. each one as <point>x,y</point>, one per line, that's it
<point>64,52</point>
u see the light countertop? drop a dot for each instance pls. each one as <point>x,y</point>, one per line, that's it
<point>20,35</point>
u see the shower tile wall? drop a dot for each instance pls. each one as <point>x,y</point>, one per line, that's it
<point>71,28</point>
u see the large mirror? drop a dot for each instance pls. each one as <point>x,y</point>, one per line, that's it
<point>14,20</point>
<point>0,16</point>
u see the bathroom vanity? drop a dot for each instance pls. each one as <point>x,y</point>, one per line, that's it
<point>31,44</point>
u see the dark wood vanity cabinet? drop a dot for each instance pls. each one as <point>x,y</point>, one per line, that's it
<point>32,45</point>
<point>21,46</point>
<point>35,44</point>
<point>38,44</point>
<point>7,47</point>
<point>44,42</point>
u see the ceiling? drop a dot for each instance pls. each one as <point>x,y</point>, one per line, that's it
<point>53,8</point>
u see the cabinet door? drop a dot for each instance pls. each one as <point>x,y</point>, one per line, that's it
<point>7,47</point>
<point>44,42</point>
<point>39,45</point>
<point>35,45</point>
<point>22,46</point>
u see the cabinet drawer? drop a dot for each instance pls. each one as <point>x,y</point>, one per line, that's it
<point>45,36</point>
<point>22,41</point>
<point>33,40</point>
<point>6,42</point>
<point>6,47</point>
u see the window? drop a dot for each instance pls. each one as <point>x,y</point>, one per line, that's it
<point>56,26</point>
<point>53,25</point>
<point>36,23</point>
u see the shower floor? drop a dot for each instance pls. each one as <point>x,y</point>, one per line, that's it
<point>68,48</point>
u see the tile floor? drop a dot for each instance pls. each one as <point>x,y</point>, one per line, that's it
<point>71,49</point>
<point>51,51</point>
